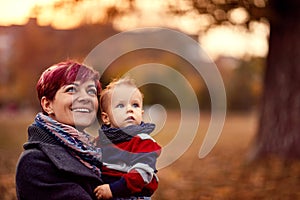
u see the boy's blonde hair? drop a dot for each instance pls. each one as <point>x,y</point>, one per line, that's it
<point>105,94</point>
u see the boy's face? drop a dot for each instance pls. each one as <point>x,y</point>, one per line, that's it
<point>124,107</point>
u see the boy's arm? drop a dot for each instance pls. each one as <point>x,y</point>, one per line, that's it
<point>133,182</point>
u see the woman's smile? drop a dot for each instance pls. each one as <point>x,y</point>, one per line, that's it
<point>82,110</point>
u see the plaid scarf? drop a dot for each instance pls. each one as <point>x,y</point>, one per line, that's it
<point>80,144</point>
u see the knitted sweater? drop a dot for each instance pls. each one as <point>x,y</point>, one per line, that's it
<point>129,162</point>
<point>46,170</point>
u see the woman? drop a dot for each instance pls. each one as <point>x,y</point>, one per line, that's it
<point>60,160</point>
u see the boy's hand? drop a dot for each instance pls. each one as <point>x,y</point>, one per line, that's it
<point>103,192</point>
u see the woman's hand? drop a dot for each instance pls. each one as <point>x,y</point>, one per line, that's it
<point>103,192</point>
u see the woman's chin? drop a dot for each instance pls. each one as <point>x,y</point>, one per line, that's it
<point>82,123</point>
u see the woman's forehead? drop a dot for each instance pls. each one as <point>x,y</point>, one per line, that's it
<point>85,82</point>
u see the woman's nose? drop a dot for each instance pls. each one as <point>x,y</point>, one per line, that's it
<point>83,96</point>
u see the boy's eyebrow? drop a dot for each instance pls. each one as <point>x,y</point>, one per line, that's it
<point>137,100</point>
<point>120,100</point>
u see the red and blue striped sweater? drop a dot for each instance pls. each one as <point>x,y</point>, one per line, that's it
<point>129,160</point>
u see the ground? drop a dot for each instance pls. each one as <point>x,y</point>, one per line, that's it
<point>225,173</point>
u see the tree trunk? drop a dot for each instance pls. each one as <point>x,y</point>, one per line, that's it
<point>279,126</point>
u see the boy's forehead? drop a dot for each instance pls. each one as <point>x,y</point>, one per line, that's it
<point>127,89</point>
<point>125,92</point>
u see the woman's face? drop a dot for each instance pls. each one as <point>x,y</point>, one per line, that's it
<point>75,104</point>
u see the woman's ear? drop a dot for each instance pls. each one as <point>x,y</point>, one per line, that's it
<point>105,118</point>
<point>47,105</point>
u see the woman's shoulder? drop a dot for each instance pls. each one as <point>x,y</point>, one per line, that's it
<point>37,134</point>
<point>51,159</point>
<point>34,154</point>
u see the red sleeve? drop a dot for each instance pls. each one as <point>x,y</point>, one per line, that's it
<point>144,152</point>
<point>136,184</point>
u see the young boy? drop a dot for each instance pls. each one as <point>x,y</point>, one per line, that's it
<point>129,152</point>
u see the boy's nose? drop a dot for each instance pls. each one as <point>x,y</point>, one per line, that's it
<point>129,108</point>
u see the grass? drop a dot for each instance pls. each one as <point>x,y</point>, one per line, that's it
<point>223,174</point>
<point>12,136</point>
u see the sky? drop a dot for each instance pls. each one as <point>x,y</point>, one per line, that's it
<point>15,11</point>
<point>225,40</point>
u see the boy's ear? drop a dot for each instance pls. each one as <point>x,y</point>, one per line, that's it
<point>47,105</point>
<point>105,118</point>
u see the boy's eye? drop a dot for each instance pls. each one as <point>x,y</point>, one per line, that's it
<point>136,105</point>
<point>120,105</point>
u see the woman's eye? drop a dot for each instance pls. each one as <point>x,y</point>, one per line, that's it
<point>71,89</point>
<point>92,91</point>
<point>120,106</point>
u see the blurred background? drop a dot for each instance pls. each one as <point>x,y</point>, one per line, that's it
<point>254,44</point>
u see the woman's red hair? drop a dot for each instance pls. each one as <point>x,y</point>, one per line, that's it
<point>63,73</point>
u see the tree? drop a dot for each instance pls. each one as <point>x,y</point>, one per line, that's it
<point>278,132</point>
<point>279,127</point>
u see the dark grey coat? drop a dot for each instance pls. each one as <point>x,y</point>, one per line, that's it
<point>46,170</point>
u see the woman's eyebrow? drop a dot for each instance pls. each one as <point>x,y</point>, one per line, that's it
<point>92,85</point>
<point>74,84</point>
